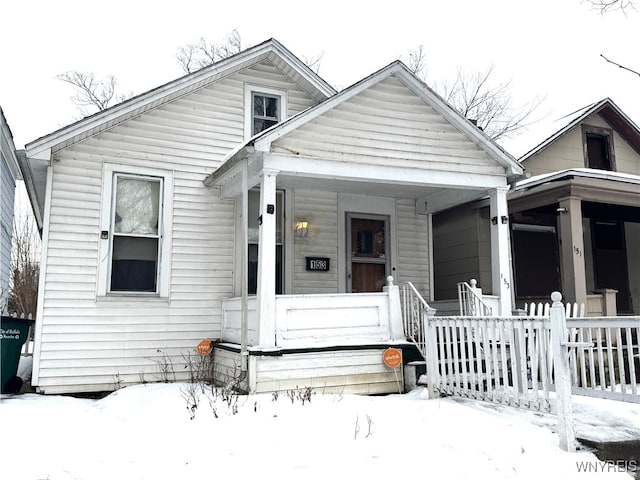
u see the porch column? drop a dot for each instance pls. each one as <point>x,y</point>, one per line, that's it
<point>500,248</point>
<point>574,279</point>
<point>266,289</point>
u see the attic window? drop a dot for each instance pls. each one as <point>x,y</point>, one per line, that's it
<point>598,148</point>
<point>264,107</point>
<point>266,112</point>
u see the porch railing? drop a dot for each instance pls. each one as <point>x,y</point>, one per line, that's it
<point>470,299</point>
<point>415,310</point>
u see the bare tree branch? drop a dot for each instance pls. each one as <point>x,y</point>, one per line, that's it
<point>417,62</point>
<point>604,6</point>
<point>313,61</point>
<point>92,94</point>
<point>620,66</point>
<point>25,268</point>
<point>194,56</point>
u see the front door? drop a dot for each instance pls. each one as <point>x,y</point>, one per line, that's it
<point>367,251</point>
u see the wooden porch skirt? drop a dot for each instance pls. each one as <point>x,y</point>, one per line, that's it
<point>353,369</point>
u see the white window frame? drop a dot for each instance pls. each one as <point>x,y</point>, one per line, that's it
<point>109,172</point>
<point>249,91</point>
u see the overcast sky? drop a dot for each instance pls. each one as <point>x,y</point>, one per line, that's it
<point>545,48</point>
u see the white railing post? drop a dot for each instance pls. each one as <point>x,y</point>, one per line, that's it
<point>396,327</point>
<point>566,429</point>
<point>431,342</point>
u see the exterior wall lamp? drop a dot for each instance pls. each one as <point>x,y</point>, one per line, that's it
<point>503,219</point>
<point>562,209</point>
<point>302,228</point>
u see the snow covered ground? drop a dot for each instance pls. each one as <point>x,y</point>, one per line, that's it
<point>146,432</point>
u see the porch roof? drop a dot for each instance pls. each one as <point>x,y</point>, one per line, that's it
<point>390,177</point>
<point>598,186</point>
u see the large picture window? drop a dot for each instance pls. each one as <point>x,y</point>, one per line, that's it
<point>134,250</point>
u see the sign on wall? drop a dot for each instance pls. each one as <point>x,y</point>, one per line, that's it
<point>317,264</point>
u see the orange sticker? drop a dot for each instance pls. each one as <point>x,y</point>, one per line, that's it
<point>392,357</point>
<point>204,348</point>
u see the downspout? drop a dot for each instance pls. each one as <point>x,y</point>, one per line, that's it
<point>244,354</point>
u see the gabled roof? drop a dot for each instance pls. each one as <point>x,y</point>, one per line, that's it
<point>609,111</point>
<point>271,49</point>
<point>398,69</point>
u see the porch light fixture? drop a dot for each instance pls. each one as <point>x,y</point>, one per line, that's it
<point>302,227</point>
<point>562,209</point>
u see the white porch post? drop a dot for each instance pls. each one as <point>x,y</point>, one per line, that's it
<point>266,290</point>
<point>500,268</point>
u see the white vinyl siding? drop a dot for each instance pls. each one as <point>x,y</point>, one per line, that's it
<point>7,194</point>
<point>320,210</point>
<point>413,247</point>
<point>89,342</point>
<point>387,124</point>
<point>342,372</point>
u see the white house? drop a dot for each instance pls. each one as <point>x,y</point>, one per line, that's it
<point>9,173</point>
<point>250,202</point>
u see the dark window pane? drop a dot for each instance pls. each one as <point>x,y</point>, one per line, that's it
<point>258,125</point>
<point>258,105</point>
<point>272,107</point>
<point>598,152</point>
<point>253,269</point>
<point>135,264</point>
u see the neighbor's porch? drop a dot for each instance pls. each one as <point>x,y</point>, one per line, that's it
<point>575,231</point>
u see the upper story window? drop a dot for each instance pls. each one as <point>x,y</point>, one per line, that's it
<point>264,107</point>
<point>134,249</point>
<point>598,148</point>
<point>266,112</point>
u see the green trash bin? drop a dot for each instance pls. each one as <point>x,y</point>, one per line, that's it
<point>13,334</point>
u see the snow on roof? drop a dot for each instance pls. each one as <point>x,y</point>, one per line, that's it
<point>577,172</point>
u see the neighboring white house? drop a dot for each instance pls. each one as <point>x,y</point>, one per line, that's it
<point>252,203</point>
<point>9,173</point>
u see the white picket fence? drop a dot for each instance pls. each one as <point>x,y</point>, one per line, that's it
<point>535,361</point>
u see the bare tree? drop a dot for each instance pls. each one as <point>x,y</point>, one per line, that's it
<point>313,61</point>
<point>195,56</point>
<point>489,105</point>
<point>25,268</point>
<point>92,93</point>
<point>604,6</point>
<point>479,98</point>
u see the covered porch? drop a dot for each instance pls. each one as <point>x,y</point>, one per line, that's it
<point>582,228</point>
<point>315,300</point>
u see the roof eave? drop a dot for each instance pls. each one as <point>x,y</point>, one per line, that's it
<point>170,91</point>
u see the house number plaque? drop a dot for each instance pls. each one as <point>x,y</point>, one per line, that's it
<point>317,264</point>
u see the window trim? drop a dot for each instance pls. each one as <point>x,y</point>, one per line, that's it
<point>249,91</point>
<point>603,132</point>
<point>109,171</point>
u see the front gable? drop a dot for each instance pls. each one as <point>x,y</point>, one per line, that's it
<point>567,149</point>
<point>388,124</point>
